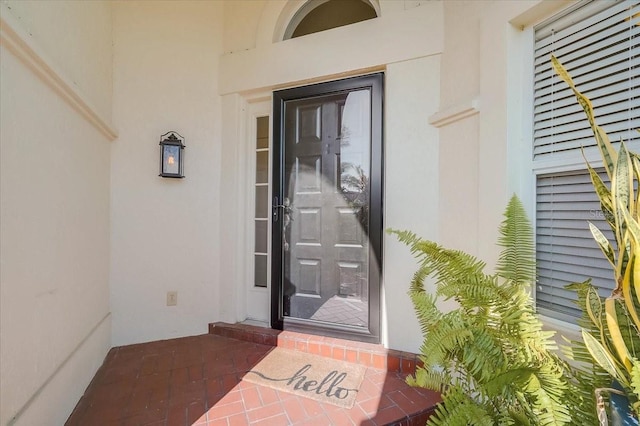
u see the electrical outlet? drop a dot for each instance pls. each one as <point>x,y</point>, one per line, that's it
<point>172,298</point>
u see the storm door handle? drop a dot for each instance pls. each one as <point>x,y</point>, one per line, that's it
<point>286,207</point>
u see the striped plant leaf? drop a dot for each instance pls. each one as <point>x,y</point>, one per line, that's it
<point>627,286</point>
<point>615,334</point>
<point>604,194</point>
<point>603,243</point>
<point>603,357</point>
<point>609,155</point>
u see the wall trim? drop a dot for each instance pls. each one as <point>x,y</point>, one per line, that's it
<point>24,47</point>
<point>422,35</point>
<point>455,113</point>
<point>35,395</point>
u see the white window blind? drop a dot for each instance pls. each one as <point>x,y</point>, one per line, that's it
<point>599,44</point>
<point>565,249</point>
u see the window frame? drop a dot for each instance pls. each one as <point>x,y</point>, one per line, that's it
<point>558,163</point>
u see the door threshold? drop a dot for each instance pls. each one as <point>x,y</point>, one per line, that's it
<point>367,354</point>
<point>256,323</point>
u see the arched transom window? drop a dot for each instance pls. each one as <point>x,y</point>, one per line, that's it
<point>321,15</point>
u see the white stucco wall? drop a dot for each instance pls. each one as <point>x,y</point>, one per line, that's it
<point>354,49</point>
<point>167,80</point>
<point>165,234</point>
<point>485,63</point>
<point>485,157</point>
<point>411,186</point>
<point>77,36</point>
<point>55,326</point>
<point>434,61</point>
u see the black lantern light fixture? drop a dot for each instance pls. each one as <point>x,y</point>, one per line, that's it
<point>171,155</point>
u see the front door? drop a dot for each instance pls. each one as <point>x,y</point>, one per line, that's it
<point>327,208</point>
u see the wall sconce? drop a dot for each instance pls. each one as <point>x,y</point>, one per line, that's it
<point>171,155</point>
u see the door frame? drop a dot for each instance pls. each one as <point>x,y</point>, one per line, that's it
<point>373,82</point>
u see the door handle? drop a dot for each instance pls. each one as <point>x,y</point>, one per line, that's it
<point>286,206</point>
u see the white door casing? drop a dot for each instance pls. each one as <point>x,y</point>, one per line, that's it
<point>257,298</point>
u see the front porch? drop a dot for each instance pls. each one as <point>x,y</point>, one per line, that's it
<point>198,381</point>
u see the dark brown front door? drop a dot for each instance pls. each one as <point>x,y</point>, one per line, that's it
<point>327,210</point>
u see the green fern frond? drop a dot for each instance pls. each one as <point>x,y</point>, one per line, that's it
<point>426,310</point>
<point>435,380</point>
<point>419,277</point>
<point>519,377</point>
<point>490,355</point>
<point>516,263</point>
<point>548,392</point>
<point>485,357</point>
<point>515,417</point>
<point>472,292</point>
<point>458,409</point>
<point>445,338</point>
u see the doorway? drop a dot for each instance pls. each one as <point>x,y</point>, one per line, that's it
<point>327,208</point>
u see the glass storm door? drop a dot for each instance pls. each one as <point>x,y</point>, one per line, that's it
<point>327,208</point>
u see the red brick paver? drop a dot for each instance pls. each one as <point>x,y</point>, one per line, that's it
<point>197,381</point>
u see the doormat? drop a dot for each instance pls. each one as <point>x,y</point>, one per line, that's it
<point>311,376</point>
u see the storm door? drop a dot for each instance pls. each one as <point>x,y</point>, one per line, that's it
<point>327,208</point>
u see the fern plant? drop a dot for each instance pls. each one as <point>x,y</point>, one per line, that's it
<point>490,357</point>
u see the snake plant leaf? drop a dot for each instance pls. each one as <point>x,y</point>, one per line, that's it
<point>603,357</point>
<point>622,182</point>
<point>604,194</point>
<point>604,244</point>
<point>616,323</point>
<point>635,377</point>
<point>624,238</point>
<point>593,306</point>
<point>627,285</point>
<point>561,71</point>
<point>632,273</point>
<point>635,161</point>
<point>632,176</point>
<point>633,227</point>
<point>636,278</point>
<point>608,153</point>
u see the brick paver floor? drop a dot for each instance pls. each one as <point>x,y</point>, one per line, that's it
<point>197,381</point>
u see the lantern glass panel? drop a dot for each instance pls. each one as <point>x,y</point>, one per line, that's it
<point>171,159</point>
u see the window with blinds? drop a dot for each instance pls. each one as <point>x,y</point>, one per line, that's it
<point>598,42</point>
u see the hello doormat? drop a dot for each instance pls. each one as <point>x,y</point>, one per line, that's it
<point>311,376</point>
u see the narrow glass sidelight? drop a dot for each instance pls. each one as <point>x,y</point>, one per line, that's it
<point>261,218</point>
<point>329,173</point>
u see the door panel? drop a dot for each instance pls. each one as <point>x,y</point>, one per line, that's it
<point>312,127</point>
<point>325,263</point>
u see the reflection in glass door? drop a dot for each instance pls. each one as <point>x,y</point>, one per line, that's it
<point>327,208</point>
